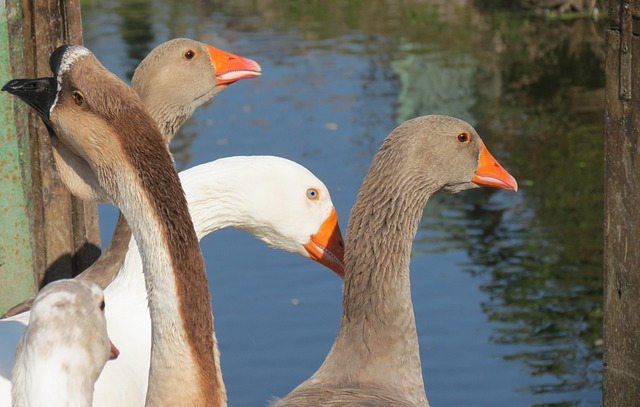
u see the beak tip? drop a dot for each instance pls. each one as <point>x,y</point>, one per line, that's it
<point>490,173</point>
<point>113,351</point>
<point>7,86</point>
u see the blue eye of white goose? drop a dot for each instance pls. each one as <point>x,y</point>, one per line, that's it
<point>313,194</point>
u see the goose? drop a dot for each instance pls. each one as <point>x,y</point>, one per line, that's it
<point>66,340</point>
<point>374,360</point>
<point>275,199</point>
<point>105,123</point>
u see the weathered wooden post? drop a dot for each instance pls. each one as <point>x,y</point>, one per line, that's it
<point>621,371</point>
<point>43,229</point>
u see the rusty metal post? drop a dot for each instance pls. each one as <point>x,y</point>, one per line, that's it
<point>45,233</point>
<point>621,368</point>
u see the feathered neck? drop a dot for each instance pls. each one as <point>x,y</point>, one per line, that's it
<point>377,342</point>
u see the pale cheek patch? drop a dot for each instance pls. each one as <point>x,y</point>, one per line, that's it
<point>96,145</point>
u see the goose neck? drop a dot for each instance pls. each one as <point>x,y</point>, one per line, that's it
<point>377,341</point>
<point>175,278</point>
<point>168,116</point>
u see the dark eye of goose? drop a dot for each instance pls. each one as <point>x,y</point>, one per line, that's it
<point>313,194</point>
<point>464,138</point>
<point>102,305</point>
<point>78,97</point>
<point>190,54</point>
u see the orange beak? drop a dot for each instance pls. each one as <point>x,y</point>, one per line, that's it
<point>231,68</point>
<point>490,173</point>
<point>114,351</point>
<point>327,247</point>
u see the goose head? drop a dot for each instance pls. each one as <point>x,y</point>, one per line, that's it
<point>275,199</point>
<point>180,75</point>
<point>74,310</point>
<point>300,209</point>
<point>64,347</point>
<point>444,153</point>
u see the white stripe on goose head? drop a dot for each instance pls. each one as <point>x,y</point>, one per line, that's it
<point>60,62</point>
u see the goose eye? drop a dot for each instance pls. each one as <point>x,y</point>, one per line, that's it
<point>313,194</point>
<point>78,97</point>
<point>464,138</point>
<point>102,305</point>
<point>190,54</point>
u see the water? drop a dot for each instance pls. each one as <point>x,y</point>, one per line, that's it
<point>507,288</point>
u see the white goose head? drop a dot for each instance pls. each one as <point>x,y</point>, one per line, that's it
<point>64,348</point>
<point>275,199</point>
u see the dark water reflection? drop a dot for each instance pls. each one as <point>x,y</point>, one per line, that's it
<point>339,75</point>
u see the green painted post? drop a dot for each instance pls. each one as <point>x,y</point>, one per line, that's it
<point>45,233</point>
<point>16,253</point>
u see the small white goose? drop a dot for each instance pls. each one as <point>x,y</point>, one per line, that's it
<point>64,348</point>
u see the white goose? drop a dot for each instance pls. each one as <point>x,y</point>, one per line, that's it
<point>275,199</point>
<point>67,340</point>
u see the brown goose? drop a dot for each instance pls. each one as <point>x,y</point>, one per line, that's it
<point>175,78</point>
<point>105,123</point>
<point>374,360</point>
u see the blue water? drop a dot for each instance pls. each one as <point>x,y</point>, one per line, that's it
<point>327,102</point>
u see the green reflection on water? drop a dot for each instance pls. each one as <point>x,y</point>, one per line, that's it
<point>540,261</point>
